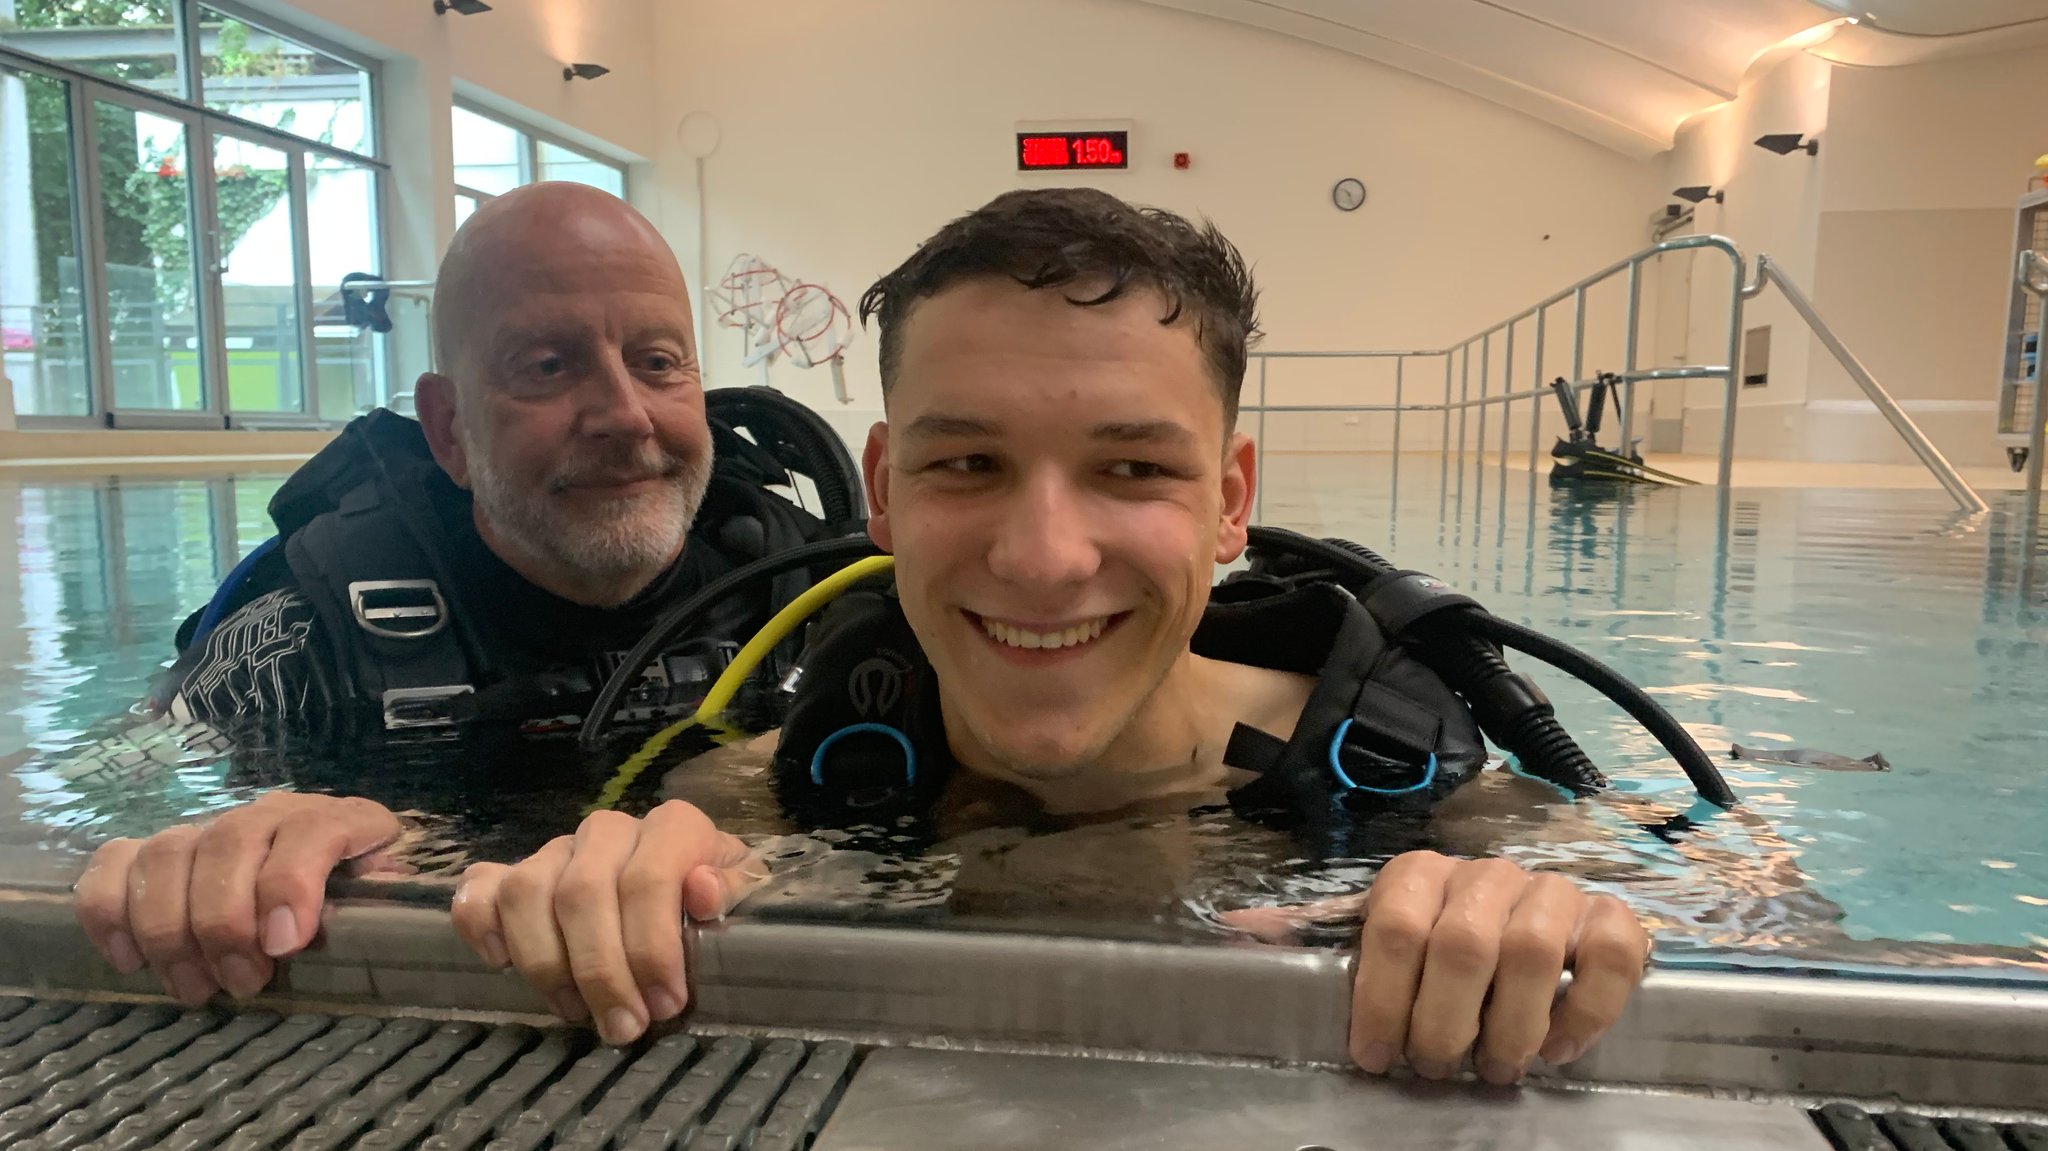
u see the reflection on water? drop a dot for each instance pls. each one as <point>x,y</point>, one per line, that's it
<point>1849,623</point>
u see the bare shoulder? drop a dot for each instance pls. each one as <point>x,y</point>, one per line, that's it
<point>1261,697</point>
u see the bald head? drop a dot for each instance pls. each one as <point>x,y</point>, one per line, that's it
<point>568,397</point>
<point>539,238</point>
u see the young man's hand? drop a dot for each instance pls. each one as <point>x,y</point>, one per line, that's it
<point>215,905</point>
<point>594,920</point>
<point>1464,957</point>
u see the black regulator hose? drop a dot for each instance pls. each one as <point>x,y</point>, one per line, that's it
<point>837,551</point>
<point>1699,767</point>
<point>1459,644</point>
<point>1510,708</point>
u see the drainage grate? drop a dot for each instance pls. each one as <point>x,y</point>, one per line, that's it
<point>126,1077</point>
<point>1853,1129</point>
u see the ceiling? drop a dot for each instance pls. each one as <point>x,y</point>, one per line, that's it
<point>1624,73</point>
<point>1940,17</point>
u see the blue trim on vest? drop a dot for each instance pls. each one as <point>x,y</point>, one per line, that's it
<point>216,608</point>
<point>902,741</point>
<point>1344,778</point>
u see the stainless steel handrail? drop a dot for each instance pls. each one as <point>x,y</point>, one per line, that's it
<point>1539,312</point>
<point>1959,489</point>
<point>2032,263</point>
<point>2033,273</point>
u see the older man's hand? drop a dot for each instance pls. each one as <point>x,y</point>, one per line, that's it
<point>1464,957</point>
<point>214,905</point>
<point>594,920</point>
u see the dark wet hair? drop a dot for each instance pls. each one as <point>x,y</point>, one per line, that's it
<point>1051,237</point>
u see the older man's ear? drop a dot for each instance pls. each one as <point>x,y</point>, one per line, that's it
<point>434,398</point>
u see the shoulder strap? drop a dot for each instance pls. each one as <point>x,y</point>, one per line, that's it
<point>1378,729</point>
<point>386,609</point>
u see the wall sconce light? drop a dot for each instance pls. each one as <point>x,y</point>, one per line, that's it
<point>1699,194</point>
<point>1786,143</point>
<point>461,7</point>
<point>584,71</point>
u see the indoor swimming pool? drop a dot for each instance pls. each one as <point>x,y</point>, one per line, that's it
<point>1847,622</point>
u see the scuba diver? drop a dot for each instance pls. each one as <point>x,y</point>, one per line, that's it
<point>477,570</point>
<point>1057,478</point>
<point>559,490</point>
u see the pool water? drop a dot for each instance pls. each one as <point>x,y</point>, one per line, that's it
<point>1841,621</point>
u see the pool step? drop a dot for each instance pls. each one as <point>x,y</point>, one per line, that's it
<point>118,1076</point>
<point>1850,1128</point>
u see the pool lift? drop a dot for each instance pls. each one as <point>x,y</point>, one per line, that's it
<point>1581,458</point>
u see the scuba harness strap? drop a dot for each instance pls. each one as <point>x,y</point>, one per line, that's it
<point>397,631</point>
<point>360,541</point>
<point>1377,729</point>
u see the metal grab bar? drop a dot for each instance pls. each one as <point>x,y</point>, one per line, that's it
<point>1959,489</point>
<point>2037,419</point>
<point>2031,262</point>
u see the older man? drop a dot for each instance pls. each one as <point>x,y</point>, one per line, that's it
<point>1058,478</point>
<point>493,556</point>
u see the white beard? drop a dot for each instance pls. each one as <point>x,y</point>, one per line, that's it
<point>623,546</point>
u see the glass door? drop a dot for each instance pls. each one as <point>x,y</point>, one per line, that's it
<point>45,352</point>
<point>151,258</point>
<point>261,276</point>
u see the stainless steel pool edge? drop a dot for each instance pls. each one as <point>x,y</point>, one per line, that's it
<point>1749,1033</point>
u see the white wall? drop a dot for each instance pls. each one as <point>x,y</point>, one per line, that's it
<point>1915,242</point>
<point>1900,230</point>
<point>1771,204</point>
<point>852,131</point>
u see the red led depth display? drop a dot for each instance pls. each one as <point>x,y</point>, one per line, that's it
<point>1057,151</point>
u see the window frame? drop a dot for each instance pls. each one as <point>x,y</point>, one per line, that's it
<point>530,140</point>
<point>84,89</point>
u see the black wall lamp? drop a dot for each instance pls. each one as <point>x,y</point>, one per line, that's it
<point>1700,194</point>
<point>461,7</point>
<point>584,71</point>
<point>1786,143</point>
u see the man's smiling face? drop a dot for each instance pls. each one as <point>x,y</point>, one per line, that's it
<point>1057,483</point>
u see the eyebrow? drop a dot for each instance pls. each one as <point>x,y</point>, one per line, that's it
<point>1137,432</point>
<point>1146,432</point>
<point>936,427</point>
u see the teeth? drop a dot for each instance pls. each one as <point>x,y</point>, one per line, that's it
<point>1033,640</point>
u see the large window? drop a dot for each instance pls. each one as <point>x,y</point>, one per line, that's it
<point>133,41</point>
<point>42,299</point>
<point>493,157</point>
<point>152,278</point>
<point>255,74</point>
<point>184,189</point>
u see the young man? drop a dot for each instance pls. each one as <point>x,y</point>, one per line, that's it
<point>1058,478</point>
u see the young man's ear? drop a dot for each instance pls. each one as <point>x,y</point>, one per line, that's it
<point>874,471</point>
<point>433,398</point>
<point>1240,486</point>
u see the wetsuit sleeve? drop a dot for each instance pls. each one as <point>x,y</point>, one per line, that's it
<point>259,661</point>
